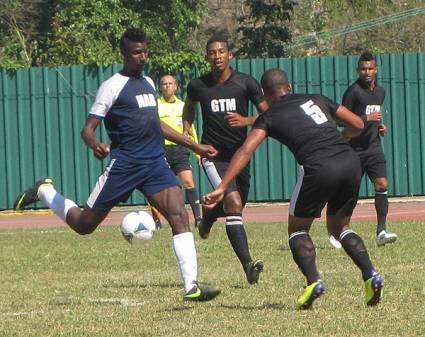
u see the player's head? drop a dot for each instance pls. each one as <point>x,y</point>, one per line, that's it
<point>275,84</point>
<point>218,53</point>
<point>168,86</point>
<point>366,67</point>
<point>134,49</point>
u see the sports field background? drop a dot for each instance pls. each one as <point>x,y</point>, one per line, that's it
<point>54,282</point>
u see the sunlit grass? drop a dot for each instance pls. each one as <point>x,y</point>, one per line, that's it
<point>56,283</point>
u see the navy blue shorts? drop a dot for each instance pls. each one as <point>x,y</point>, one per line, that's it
<point>121,178</point>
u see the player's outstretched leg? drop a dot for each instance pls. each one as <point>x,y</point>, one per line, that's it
<point>304,254</point>
<point>30,195</point>
<point>355,248</point>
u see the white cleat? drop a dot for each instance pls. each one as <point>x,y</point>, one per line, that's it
<point>334,242</point>
<point>385,237</point>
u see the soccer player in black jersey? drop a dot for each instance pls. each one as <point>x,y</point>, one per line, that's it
<point>224,95</point>
<point>365,98</point>
<point>329,172</point>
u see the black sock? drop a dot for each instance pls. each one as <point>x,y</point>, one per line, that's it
<point>355,248</point>
<point>304,254</point>
<point>237,236</point>
<point>192,197</point>
<point>381,206</point>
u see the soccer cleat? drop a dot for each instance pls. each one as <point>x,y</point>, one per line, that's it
<point>385,237</point>
<point>30,195</point>
<point>201,294</point>
<point>373,289</point>
<point>253,270</point>
<point>310,294</point>
<point>204,226</point>
<point>334,242</point>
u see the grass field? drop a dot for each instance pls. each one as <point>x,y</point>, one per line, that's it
<point>56,283</point>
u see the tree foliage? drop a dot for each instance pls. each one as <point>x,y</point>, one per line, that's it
<point>311,18</point>
<point>88,32</point>
<point>264,29</point>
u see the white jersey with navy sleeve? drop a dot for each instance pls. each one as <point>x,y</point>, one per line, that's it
<point>128,107</point>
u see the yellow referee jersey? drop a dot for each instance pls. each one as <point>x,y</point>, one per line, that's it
<point>171,114</point>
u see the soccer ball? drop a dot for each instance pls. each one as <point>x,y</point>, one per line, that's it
<point>137,227</point>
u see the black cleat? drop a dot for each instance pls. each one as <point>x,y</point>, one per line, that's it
<point>204,226</point>
<point>253,270</point>
<point>201,294</point>
<point>30,195</point>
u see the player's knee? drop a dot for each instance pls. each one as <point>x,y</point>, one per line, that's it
<point>233,206</point>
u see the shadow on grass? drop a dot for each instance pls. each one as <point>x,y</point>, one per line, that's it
<point>141,285</point>
<point>268,306</point>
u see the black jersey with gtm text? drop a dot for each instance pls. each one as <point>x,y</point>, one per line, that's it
<point>217,99</point>
<point>362,101</point>
<point>305,124</point>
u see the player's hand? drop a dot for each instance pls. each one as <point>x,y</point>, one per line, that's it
<point>205,150</point>
<point>101,150</point>
<point>236,120</point>
<point>213,198</point>
<point>382,129</point>
<point>188,133</point>
<point>374,117</point>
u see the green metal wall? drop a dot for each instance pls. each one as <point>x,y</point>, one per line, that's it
<point>42,111</point>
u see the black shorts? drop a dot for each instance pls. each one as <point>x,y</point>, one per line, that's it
<point>215,170</point>
<point>178,158</point>
<point>373,162</point>
<point>334,181</point>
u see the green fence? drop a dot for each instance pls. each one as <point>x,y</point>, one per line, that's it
<point>42,111</point>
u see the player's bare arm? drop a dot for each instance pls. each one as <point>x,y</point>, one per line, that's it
<point>188,117</point>
<point>203,150</point>
<point>236,120</point>
<point>100,150</point>
<point>353,123</point>
<point>240,159</point>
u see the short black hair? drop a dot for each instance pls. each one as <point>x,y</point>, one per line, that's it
<point>366,56</point>
<point>274,79</point>
<point>133,35</point>
<point>219,37</point>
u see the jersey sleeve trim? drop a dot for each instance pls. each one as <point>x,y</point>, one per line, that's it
<point>107,94</point>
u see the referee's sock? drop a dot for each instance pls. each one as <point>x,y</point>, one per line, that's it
<point>304,254</point>
<point>193,198</point>
<point>381,206</point>
<point>237,236</point>
<point>355,248</point>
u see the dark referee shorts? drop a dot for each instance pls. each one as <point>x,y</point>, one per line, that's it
<point>334,181</point>
<point>121,178</point>
<point>215,170</point>
<point>373,162</point>
<point>178,158</point>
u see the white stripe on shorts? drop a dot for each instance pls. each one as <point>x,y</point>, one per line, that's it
<point>99,185</point>
<point>296,190</point>
<point>212,172</point>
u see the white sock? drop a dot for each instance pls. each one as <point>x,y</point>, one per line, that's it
<point>55,201</point>
<point>185,251</point>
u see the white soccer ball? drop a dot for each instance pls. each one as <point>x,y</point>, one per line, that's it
<point>137,227</point>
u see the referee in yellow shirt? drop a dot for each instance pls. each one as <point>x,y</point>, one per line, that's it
<point>170,110</point>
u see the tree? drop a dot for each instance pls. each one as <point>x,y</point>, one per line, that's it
<point>88,32</point>
<point>264,30</point>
